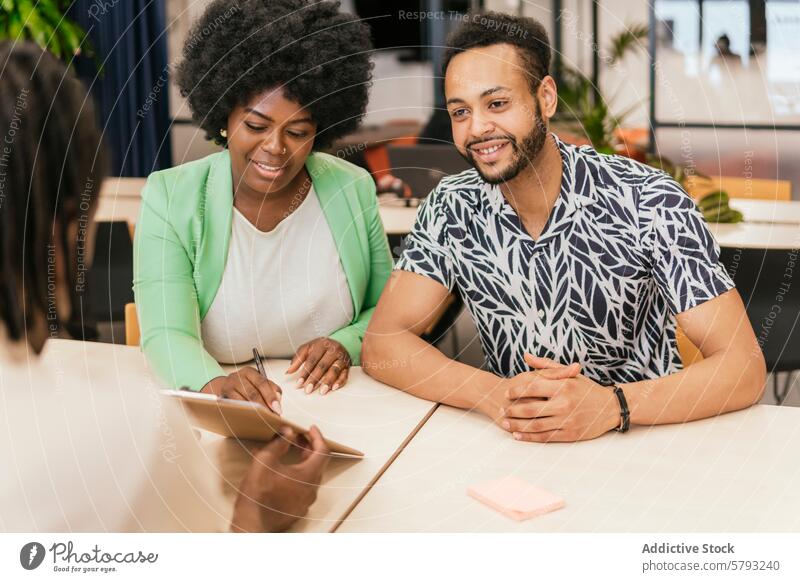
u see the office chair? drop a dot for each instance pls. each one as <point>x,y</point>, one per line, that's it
<point>769,282</point>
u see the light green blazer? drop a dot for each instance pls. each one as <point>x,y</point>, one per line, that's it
<point>181,246</point>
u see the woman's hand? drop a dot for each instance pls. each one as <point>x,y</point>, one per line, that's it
<point>247,384</point>
<point>273,494</point>
<point>323,364</point>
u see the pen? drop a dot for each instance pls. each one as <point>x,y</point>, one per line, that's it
<point>259,363</point>
<point>261,370</point>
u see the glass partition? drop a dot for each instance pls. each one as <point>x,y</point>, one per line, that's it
<point>727,62</point>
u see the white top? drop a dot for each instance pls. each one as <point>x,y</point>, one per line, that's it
<point>84,448</point>
<point>280,288</point>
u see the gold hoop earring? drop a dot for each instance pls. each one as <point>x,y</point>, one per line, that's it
<point>223,133</point>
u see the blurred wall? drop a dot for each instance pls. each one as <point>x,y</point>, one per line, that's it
<point>405,90</point>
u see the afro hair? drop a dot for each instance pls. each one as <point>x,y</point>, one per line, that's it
<point>318,55</point>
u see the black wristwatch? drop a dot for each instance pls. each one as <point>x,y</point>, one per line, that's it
<point>624,413</point>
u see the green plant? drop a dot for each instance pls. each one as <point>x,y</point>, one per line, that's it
<point>582,107</point>
<point>626,41</point>
<point>45,23</point>
<point>715,208</point>
<point>678,173</point>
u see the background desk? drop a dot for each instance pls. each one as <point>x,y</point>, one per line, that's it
<point>120,200</point>
<point>757,235</point>
<point>737,472</point>
<point>365,414</point>
<point>397,219</point>
<point>770,211</point>
<point>768,224</point>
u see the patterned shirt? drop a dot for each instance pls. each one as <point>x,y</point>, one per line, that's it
<point>624,250</point>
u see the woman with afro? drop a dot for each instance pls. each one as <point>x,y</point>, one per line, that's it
<point>269,243</point>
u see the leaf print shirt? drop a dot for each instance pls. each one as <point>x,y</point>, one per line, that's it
<point>623,251</point>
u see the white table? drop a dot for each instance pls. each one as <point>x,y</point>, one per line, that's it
<point>397,218</point>
<point>365,414</point>
<point>737,472</point>
<point>757,235</point>
<point>768,211</point>
<point>120,199</point>
<point>767,224</point>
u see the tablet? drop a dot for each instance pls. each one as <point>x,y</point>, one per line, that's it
<point>242,419</point>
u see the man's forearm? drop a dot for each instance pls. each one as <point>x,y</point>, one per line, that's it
<point>407,362</point>
<point>721,383</point>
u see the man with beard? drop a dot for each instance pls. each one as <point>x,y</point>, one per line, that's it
<point>575,267</point>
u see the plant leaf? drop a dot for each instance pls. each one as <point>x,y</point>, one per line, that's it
<point>627,40</point>
<point>15,29</point>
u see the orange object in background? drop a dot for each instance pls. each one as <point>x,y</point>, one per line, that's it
<point>376,157</point>
<point>132,332</point>
<point>377,160</point>
<point>407,140</point>
<point>633,142</point>
<point>736,187</point>
<point>690,353</point>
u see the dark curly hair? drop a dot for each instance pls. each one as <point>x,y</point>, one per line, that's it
<point>51,167</point>
<point>490,28</point>
<point>239,49</point>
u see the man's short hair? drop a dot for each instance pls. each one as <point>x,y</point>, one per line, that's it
<point>490,28</point>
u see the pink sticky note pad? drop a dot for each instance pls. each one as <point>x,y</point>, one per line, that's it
<point>515,498</point>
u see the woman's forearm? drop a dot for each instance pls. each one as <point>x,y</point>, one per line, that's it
<point>352,336</point>
<point>180,360</point>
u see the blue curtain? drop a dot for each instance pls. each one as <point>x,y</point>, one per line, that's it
<point>131,92</point>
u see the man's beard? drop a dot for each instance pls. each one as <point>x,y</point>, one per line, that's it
<point>523,153</point>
